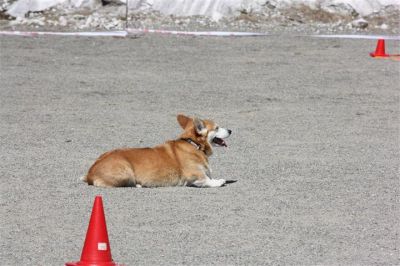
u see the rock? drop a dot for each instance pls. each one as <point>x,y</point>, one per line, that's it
<point>341,9</point>
<point>79,17</point>
<point>89,21</point>
<point>271,4</point>
<point>359,23</point>
<point>62,21</point>
<point>384,26</point>
<point>112,2</point>
<point>35,22</point>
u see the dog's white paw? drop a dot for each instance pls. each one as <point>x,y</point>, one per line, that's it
<point>217,182</point>
<point>208,182</point>
<point>222,181</point>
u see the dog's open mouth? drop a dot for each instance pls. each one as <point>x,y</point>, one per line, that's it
<point>219,142</point>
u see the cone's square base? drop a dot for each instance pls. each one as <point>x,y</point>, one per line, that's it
<point>82,263</point>
<point>378,55</point>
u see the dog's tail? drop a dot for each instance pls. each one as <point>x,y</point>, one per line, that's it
<point>83,178</point>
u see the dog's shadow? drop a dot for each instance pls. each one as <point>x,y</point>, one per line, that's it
<point>228,182</point>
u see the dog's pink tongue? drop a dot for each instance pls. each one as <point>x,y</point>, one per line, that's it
<point>224,143</point>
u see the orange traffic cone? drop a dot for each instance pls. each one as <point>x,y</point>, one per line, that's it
<point>380,49</point>
<point>96,250</point>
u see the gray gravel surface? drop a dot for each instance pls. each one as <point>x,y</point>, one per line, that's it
<point>315,149</point>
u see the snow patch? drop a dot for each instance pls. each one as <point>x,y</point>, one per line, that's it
<point>22,7</point>
<point>216,9</point>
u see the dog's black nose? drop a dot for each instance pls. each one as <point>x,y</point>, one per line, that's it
<point>229,131</point>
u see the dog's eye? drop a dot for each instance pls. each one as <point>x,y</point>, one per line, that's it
<point>216,129</point>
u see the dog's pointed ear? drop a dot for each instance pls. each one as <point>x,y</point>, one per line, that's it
<point>183,120</point>
<point>199,126</point>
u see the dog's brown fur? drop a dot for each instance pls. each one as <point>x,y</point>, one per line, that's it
<point>176,162</point>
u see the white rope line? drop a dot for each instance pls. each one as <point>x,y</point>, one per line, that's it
<point>199,33</point>
<point>129,32</point>
<point>86,34</point>
<point>370,37</point>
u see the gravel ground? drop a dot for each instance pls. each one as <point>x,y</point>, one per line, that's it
<point>315,149</point>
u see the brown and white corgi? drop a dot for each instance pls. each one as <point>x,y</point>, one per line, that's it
<point>180,162</point>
